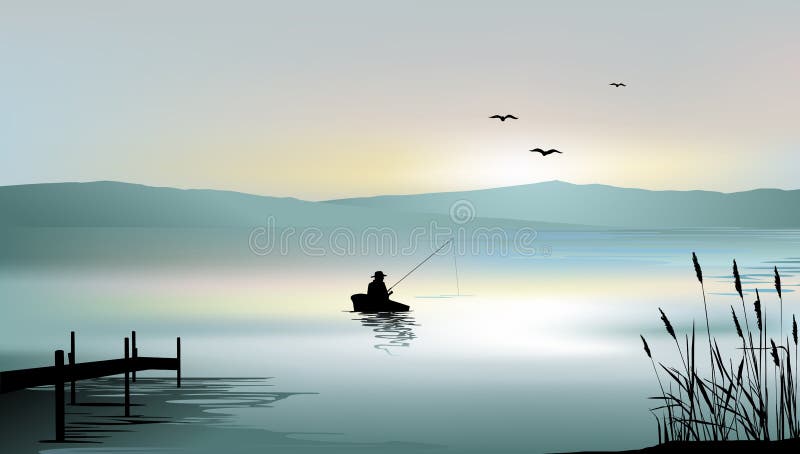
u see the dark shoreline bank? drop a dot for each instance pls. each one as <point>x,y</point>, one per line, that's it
<point>712,446</point>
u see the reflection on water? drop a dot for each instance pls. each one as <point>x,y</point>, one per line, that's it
<point>204,416</point>
<point>158,401</point>
<point>393,329</point>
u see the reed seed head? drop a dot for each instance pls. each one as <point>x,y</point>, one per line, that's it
<point>667,324</point>
<point>697,269</point>
<point>739,373</point>
<point>775,353</point>
<point>737,279</point>
<point>757,305</point>
<point>646,347</point>
<point>736,322</point>
<point>778,282</point>
<point>794,330</point>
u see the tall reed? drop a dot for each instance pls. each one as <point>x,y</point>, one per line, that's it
<point>715,410</point>
<point>733,403</point>
<point>780,296</point>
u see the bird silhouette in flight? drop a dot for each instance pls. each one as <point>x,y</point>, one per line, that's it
<point>504,117</point>
<point>545,152</point>
<point>618,84</point>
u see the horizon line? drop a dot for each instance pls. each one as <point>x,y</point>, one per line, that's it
<point>184,188</point>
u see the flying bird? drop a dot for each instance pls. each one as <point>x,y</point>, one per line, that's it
<point>545,153</point>
<point>504,117</point>
<point>618,84</point>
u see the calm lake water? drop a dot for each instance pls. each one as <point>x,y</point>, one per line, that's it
<point>515,354</point>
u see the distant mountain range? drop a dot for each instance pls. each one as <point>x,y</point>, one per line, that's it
<point>550,204</point>
<point>112,204</point>
<point>601,205</point>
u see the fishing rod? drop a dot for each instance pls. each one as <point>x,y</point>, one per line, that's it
<point>420,264</point>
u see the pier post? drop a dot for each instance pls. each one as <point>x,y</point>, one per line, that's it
<point>59,394</point>
<point>179,361</point>
<point>135,354</point>
<point>127,379</point>
<point>72,362</point>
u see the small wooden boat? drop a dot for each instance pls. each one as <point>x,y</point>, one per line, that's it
<point>363,303</point>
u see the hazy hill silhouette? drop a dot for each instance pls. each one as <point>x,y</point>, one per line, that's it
<point>113,204</point>
<point>544,205</point>
<point>596,204</point>
<point>119,224</point>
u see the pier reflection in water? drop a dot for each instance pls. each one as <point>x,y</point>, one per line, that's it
<point>393,329</point>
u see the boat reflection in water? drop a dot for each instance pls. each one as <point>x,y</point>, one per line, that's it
<point>393,329</point>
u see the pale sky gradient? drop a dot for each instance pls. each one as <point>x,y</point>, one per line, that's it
<point>337,98</point>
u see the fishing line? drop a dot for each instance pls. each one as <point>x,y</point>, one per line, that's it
<point>420,264</point>
<point>455,265</point>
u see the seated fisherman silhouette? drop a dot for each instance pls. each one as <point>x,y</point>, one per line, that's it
<point>377,298</point>
<point>377,289</point>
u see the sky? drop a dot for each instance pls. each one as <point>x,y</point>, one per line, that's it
<point>324,99</point>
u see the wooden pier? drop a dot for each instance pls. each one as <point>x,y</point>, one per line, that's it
<point>72,372</point>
